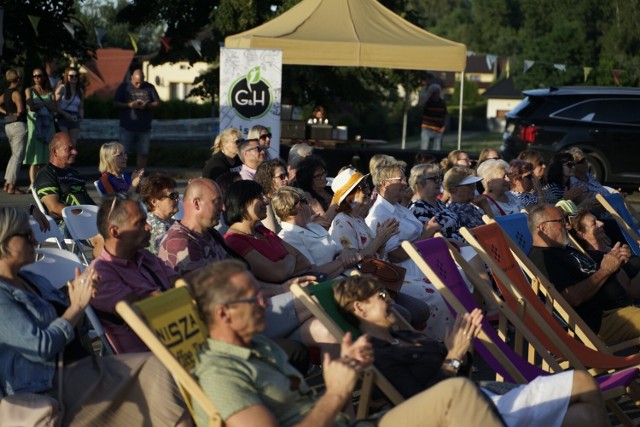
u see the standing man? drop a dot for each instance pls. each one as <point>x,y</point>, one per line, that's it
<point>434,117</point>
<point>136,101</point>
<point>252,154</point>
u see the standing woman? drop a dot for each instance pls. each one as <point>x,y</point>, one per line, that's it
<point>225,155</point>
<point>15,127</point>
<point>41,103</point>
<point>70,103</point>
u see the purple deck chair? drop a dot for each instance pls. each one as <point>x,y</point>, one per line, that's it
<point>435,252</point>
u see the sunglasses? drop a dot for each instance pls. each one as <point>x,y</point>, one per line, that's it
<point>383,295</point>
<point>258,149</point>
<point>27,235</point>
<point>282,177</point>
<point>569,164</point>
<point>116,197</point>
<point>175,196</point>
<point>37,76</point>
<point>265,136</point>
<point>257,298</point>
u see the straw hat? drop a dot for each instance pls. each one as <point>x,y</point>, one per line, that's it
<point>344,183</point>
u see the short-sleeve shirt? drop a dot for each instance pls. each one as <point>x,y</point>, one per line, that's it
<point>110,183</point>
<point>469,214</point>
<point>235,378</point>
<point>271,248</point>
<point>447,219</point>
<point>132,119</point>
<point>65,183</point>
<point>120,277</point>
<point>314,242</point>
<point>564,267</point>
<point>185,250</point>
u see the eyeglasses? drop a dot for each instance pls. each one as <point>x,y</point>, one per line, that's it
<point>27,235</point>
<point>561,220</point>
<point>257,298</point>
<point>581,161</point>
<point>569,164</point>
<point>320,175</point>
<point>265,136</point>
<point>437,179</point>
<point>258,149</point>
<point>282,177</point>
<point>37,76</point>
<point>175,196</point>
<point>383,295</point>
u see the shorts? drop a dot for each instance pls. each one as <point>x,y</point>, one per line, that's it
<point>281,317</point>
<point>139,139</point>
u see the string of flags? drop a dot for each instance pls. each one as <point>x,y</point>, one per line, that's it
<point>165,42</point>
<point>527,64</point>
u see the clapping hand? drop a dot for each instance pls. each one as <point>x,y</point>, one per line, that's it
<point>465,329</point>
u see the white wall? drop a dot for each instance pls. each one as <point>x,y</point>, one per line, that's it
<point>496,108</point>
<point>174,81</point>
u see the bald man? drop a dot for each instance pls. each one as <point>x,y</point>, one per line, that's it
<point>193,242</point>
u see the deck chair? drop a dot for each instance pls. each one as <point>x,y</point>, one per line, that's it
<point>59,265</point>
<point>517,230</point>
<point>615,205</point>
<point>492,246</point>
<point>153,320</point>
<point>437,259</point>
<point>81,223</point>
<point>319,300</point>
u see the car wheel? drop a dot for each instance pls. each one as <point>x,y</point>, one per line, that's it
<point>596,168</point>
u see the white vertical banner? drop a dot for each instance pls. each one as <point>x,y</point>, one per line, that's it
<point>250,91</point>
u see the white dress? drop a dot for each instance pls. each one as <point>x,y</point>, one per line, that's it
<point>415,284</point>
<point>314,242</point>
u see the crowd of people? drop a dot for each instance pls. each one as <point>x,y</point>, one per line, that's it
<point>252,226</point>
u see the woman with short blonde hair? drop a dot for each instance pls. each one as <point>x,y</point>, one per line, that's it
<point>113,179</point>
<point>224,154</point>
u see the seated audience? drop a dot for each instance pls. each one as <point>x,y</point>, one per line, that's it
<point>559,186</point>
<point>487,153</point>
<point>296,154</point>
<point>271,175</point>
<point>535,158</point>
<point>413,363</point>
<point>158,192</point>
<point>581,174</point>
<point>41,322</point>
<point>263,135</point>
<point>525,186</point>
<point>312,178</point>
<point>127,270</point>
<point>225,155</point>
<point>251,154</point>
<point>495,179</point>
<point>312,240</point>
<point>455,158</point>
<point>594,290</point>
<point>224,181</point>
<point>425,181</point>
<point>113,178</point>
<point>460,183</point>
<point>391,183</point>
<point>233,307</point>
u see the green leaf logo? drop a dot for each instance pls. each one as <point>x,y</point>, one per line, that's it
<point>253,76</point>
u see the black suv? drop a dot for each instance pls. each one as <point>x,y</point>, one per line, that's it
<point>603,121</point>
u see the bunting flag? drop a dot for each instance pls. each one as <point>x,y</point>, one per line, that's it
<point>34,22</point>
<point>491,59</point>
<point>100,33</point>
<point>69,27</point>
<point>166,43</point>
<point>471,53</point>
<point>616,75</point>
<point>197,45</point>
<point>527,64</point>
<point>507,67</point>
<point>560,67</point>
<point>586,71</point>
<point>134,43</point>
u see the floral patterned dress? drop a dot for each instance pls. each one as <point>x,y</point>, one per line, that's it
<point>447,219</point>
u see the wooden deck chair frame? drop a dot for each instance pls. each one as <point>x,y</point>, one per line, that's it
<point>371,376</point>
<point>520,298</point>
<point>556,302</point>
<point>509,362</point>
<point>629,231</point>
<point>177,300</point>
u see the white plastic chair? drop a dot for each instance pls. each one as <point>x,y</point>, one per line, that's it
<point>95,183</point>
<point>58,266</point>
<point>81,223</point>
<point>36,199</point>
<point>54,235</point>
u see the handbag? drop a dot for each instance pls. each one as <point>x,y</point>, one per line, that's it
<point>389,275</point>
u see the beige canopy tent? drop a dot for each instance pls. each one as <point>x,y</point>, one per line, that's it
<point>354,33</point>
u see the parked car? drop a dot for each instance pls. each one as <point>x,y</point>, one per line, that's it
<point>603,121</point>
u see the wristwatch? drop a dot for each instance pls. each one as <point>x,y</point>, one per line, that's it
<point>454,364</point>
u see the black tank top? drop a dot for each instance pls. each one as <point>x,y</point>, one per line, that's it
<point>10,107</point>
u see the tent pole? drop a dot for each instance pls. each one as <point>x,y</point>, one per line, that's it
<point>405,111</point>
<point>460,111</point>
